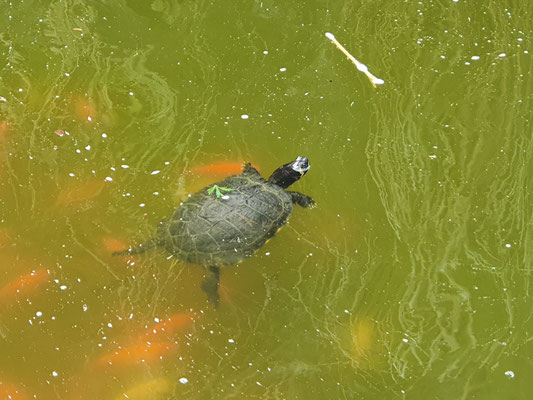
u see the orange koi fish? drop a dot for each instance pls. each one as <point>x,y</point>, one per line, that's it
<point>84,109</point>
<point>10,391</point>
<point>4,129</point>
<point>24,285</point>
<point>80,193</point>
<point>220,170</point>
<point>169,328</point>
<point>137,354</point>
<point>112,245</point>
<point>156,388</point>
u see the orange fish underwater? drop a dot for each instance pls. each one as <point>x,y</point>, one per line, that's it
<point>80,193</point>
<point>168,328</point>
<point>9,391</point>
<point>137,354</point>
<point>24,286</point>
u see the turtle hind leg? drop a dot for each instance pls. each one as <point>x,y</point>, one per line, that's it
<point>210,284</point>
<point>301,199</point>
<point>138,249</point>
<point>249,169</point>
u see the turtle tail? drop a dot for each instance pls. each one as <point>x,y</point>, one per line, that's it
<point>137,249</point>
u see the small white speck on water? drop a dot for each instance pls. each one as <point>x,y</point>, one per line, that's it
<point>109,325</point>
<point>84,307</point>
<point>38,314</point>
<point>89,118</point>
<point>510,374</point>
<point>63,287</point>
<point>405,340</point>
<point>142,205</point>
<point>155,172</point>
<point>508,245</point>
<point>267,253</point>
<point>183,381</point>
<point>265,51</point>
<point>131,93</point>
<point>245,116</point>
<point>125,166</point>
<point>54,373</point>
<point>283,69</point>
<point>231,341</point>
<point>108,178</point>
<point>67,74</point>
<point>501,55</point>
<point>225,197</point>
<point>104,135</point>
<point>71,174</point>
<point>258,383</point>
<point>475,58</point>
<point>88,147</point>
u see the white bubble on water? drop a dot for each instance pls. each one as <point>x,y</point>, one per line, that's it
<point>510,374</point>
<point>183,381</point>
<point>245,116</point>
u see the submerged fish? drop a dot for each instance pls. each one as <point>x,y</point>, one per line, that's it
<point>4,128</point>
<point>137,354</point>
<point>24,285</point>
<point>84,109</point>
<point>79,193</point>
<point>169,327</point>
<point>10,391</point>
<point>151,389</point>
<point>112,244</point>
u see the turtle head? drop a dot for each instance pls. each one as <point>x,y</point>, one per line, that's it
<point>289,173</point>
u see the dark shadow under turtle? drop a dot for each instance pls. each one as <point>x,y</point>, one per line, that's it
<point>226,222</point>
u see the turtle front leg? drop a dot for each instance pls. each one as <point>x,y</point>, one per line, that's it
<point>210,284</point>
<point>301,199</point>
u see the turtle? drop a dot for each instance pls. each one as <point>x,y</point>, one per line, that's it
<point>226,222</point>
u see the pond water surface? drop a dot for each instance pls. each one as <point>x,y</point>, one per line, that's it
<point>411,277</point>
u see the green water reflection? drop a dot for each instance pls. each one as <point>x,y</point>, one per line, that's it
<point>411,279</point>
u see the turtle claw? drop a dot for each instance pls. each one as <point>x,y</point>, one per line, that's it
<point>210,285</point>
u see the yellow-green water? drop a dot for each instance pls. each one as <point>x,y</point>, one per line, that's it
<point>411,279</point>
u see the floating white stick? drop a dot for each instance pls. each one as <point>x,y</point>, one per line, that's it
<point>360,66</point>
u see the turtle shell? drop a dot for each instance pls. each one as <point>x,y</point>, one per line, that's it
<point>213,231</point>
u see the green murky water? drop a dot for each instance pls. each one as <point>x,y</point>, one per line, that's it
<point>411,279</point>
